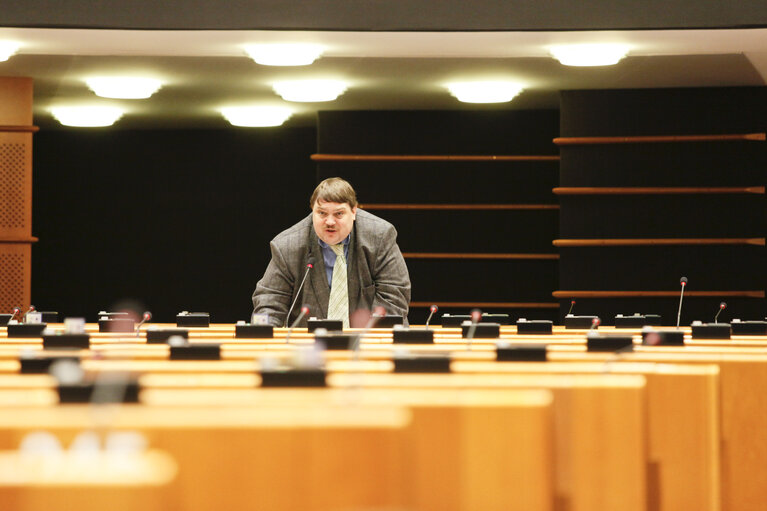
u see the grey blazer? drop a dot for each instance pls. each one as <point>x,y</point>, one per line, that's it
<point>376,271</point>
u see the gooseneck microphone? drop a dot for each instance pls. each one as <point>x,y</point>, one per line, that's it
<point>476,317</point>
<point>24,317</point>
<point>304,312</point>
<point>309,266</point>
<point>595,323</point>
<point>683,282</point>
<point>572,304</point>
<point>16,312</point>
<point>722,306</point>
<point>432,310</point>
<point>146,317</point>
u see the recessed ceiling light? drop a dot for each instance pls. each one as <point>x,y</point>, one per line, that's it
<point>87,116</point>
<point>123,87</point>
<point>589,54</point>
<point>310,91</point>
<point>256,116</point>
<point>484,92</point>
<point>297,54</point>
<point>7,48</point>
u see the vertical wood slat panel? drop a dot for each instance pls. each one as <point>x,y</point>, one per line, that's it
<point>15,192</point>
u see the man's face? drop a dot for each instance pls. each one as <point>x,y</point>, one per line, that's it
<point>333,221</point>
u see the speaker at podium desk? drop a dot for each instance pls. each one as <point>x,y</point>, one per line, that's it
<point>193,319</point>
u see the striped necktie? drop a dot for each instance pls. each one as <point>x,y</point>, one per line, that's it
<point>338,305</point>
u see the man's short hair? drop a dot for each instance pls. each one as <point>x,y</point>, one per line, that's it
<point>334,189</point>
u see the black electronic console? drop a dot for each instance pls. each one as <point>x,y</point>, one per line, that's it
<point>250,331</point>
<point>331,325</point>
<point>193,319</point>
<point>156,335</point>
<point>42,364</point>
<point>5,318</point>
<point>195,352</point>
<point>653,319</point>
<point>113,315</point>
<point>107,392</point>
<point>334,340</point>
<point>413,336</point>
<point>602,342</point>
<point>310,377</point>
<point>117,325</point>
<point>505,352</point>
<point>422,364</point>
<point>387,321</point>
<point>535,326</point>
<point>64,340</point>
<point>456,320</point>
<point>580,322</point>
<point>482,330</point>
<point>652,337</point>
<point>636,320</point>
<point>748,327</point>
<point>25,330</point>
<point>711,330</point>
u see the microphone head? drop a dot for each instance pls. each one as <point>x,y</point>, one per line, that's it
<point>683,280</point>
<point>476,315</point>
<point>433,309</point>
<point>310,262</point>
<point>147,316</point>
<point>595,322</point>
<point>16,310</point>
<point>723,305</point>
<point>305,310</point>
<point>572,302</point>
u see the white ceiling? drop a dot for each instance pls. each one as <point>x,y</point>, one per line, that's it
<point>204,70</point>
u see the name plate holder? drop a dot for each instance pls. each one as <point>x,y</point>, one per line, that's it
<point>161,335</point>
<point>609,342</point>
<point>388,321</point>
<point>422,364</point>
<point>335,341</point>
<point>294,378</point>
<point>662,338</point>
<point>196,352</point>
<point>82,341</point>
<point>505,352</point>
<point>331,325</point>
<point>456,320</point>
<point>250,331</point>
<point>535,326</point>
<point>42,365</point>
<point>193,319</point>
<point>748,327</point>
<point>117,325</point>
<point>26,330</point>
<point>83,392</point>
<point>635,321</point>
<point>573,322</point>
<point>711,331</point>
<point>482,330</point>
<point>413,336</point>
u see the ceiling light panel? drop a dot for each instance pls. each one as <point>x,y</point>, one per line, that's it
<point>123,87</point>
<point>284,54</point>
<point>485,92</point>
<point>87,116</point>
<point>310,91</point>
<point>589,54</point>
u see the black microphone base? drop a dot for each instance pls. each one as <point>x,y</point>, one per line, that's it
<point>26,330</point>
<point>161,335</point>
<point>424,364</point>
<point>294,378</point>
<point>521,353</point>
<point>82,341</point>
<point>413,336</point>
<point>253,331</point>
<point>196,352</point>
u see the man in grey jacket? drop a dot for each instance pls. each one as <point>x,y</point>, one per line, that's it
<point>356,262</point>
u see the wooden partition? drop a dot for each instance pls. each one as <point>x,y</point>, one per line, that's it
<point>15,192</point>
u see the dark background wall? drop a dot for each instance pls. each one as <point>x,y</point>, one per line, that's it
<point>709,267</point>
<point>173,220</point>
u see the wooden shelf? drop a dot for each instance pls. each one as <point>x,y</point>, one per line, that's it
<point>658,139</point>
<point>657,294</point>
<point>460,207</point>
<point>430,157</point>
<point>656,190</point>
<point>628,242</point>
<point>452,255</point>
<point>23,129</point>
<point>488,305</point>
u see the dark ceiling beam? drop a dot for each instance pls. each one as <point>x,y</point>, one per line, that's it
<point>384,15</point>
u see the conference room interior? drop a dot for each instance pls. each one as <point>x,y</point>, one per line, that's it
<point>594,190</point>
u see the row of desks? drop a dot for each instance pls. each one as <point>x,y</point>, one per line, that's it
<point>660,428</point>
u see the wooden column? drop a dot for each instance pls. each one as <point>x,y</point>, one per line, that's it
<point>15,192</point>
